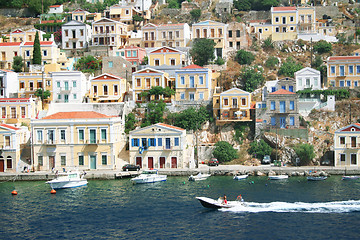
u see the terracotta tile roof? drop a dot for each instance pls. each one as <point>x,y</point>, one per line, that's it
<point>259,120</point>
<point>8,126</point>
<point>357,124</point>
<point>17,31</point>
<point>169,25</point>
<point>51,21</point>
<point>76,115</point>
<point>10,44</point>
<point>170,126</point>
<point>192,66</point>
<point>54,6</point>
<point>282,91</point>
<point>344,58</point>
<point>284,9</point>
<point>41,43</point>
<point>5,70</point>
<point>14,99</point>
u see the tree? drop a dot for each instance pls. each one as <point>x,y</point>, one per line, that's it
<point>289,67</point>
<point>36,50</point>
<point>244,57</point>
<point>251,78</point>
<point>129,122</point>
<point>43,95</point>
<point>322,46</point>
<point>173,4</point>
<point>224,152</point>
<point>36,6</point>
<point>155,113</point>
<point>18,64</point>
<point>202,51</point>
<point>195,14</point>
<point>137,19</point>
<point>219,61</point>
<point>58,36</point>
<point>268,44</point>
<point>271,62</point>
<point>317,62</point>
<point>189,119</point>
<point>305,152</point>
<point>242,5</point>
<point>259,149</point>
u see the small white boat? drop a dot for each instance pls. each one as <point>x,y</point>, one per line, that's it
<point>212,203</point>
<point>68,180</point>
<point>316,178</point>
<point>350,177</point>
<point>240,177</point>
<point>278,177</point>
<point>149,176</point>
<point>200,176</point>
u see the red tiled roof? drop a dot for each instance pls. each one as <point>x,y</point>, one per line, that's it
<point>173,24</point>
<point>284,8</point>
<point>13,99</point>
<point>109,77</point>
<point>344,58</point>
<point>357,124</point>
<point>8,126</point>
<point>192,66</point>
<point>17,31</point>
<point>10,44</point>
<point>5,70</point>
<point>169,126</point>
<point>259,120</point>
<point>282,91</point>
<point>41,43</point>
<point>54,6</point>
<point>75,115</point>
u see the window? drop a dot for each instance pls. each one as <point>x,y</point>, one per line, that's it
<point>316,82</point>
<point>110,64</point>
<point>342,157</point>
<point>62,134</point>
<point>81,160</point>
<point>342,140</point>
<point>276,19</point>
<point>356,84</point>
<point>160,142</point>
<point>116,91</point>
<point>291,19</point>
<point>134,53</point>
<point>292,121</point>
<point>230,34</point>
<point>92,136</point>
<point>282,106</point>
<point>342,84</point>
<point>135,142</point>
<point>226,102</point>
<point>176,141</point>
<point>157,62</point>
<point>201,80</point>
<point>177,34</point>
<point>182,80</point>
<point>44,53</point>
<point>157,81</point>
<point>164,34</point>
<point>243,101</point>
<point>23,113</point>
<point>152,142</point>
<point>273,121</point>
<point>58,84</point>
<point>128,53</point>
<point>272,105</point>
<point>182,96</point>
<point>103,134</point>
<point>81,32</point>
<point>351,69</point>
<point>291,28</point>
<point>172,62</point>
<point>357,69</point>
<point>348,83</point>
<point>27,52</point>
<point>67,32</point>
<point>291,88</point>
<point>40,160</point>
<point>63,160</point>
<point>291,107</point>
<point>59,96</point>
<point>39,135</point>
<point>342,70</point>
<point>138,82</point>
<point>332,69</point>
<point>104,159</point>
<point>277,29</point>
<point>81,134</point>
<point>201,96</point>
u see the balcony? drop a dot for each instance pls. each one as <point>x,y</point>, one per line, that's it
<point>352,145</point>
<point>191,85</point>
<point>50,142</point>
<point>73,39</point>
<point>65,90</point>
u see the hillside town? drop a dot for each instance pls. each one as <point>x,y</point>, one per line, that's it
<point>94,85</point>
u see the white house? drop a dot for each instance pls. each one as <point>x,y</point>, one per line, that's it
<point>69,86</point>
<point>141,5</point>
<point>8,83</point>
<point>308,78</point>
<point>75,35</point>
<point>56,9</point>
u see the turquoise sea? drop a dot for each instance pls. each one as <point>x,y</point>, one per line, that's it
<point>117,209</point>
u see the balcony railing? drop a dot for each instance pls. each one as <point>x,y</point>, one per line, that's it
<point>352,145</point>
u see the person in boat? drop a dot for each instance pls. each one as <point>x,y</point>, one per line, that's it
<point>239,198</point>
<point>225,200</point>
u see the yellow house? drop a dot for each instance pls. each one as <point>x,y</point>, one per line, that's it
<point>8,51</point>
<point>211,30</point>
<point>107,88</point>
<point>122,13</point>
<point>50,53</point>
<point>12,140</point>
<point>149,36</point>
<point>19,35</point>
<point>193,83</point>
<point>79,15</point>
<point>77,140</point>
<point>232,105</point>
<point>144,79</point>
<point>161,146</point>
<point>108,32</point>
<point>166,56</point>
<point>19,110</point>
<point>343,71</point>
<point>347,147</point>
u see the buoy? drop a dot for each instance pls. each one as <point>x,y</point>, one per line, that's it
<point>208,185</point>
<point>14,192</point>
<point>52,191</point>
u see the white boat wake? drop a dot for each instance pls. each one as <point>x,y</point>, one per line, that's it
<point>321,207</point>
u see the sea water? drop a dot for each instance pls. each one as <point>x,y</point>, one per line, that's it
<point>117,209</point>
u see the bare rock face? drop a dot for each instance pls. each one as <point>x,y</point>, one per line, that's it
<point>258,173</point>
<point>288,155</point>
<point>271,173</point>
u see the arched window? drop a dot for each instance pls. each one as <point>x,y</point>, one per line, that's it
<point>9,162</point>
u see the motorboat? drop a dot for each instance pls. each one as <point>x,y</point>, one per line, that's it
<point>200,176</point>
<point>219,203</point>
<point>240,177</point>
<point>350,177</point>
<point>278,177</point>
<point>68,180</point>
<point>149,176</point>
<point>316,178</point>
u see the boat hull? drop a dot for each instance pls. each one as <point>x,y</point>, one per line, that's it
<point>199,178</point>
<point>316,178</point>
<point>158,178</point>
<point>350,177</point>
<point>54,184</point>
<point>278,177</point>
<point>240,177</point>
<point>211,203</point>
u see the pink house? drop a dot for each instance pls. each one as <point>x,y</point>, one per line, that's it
<point>133,54</point>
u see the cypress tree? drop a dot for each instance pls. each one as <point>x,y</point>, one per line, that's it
<point>36,50</point>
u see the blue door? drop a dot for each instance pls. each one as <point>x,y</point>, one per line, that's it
<point>282,106</point>
<point>282,122</point>
<point>192,82</point>
<point>167,143</point>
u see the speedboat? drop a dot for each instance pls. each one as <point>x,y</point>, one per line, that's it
<point>149,176</point>
<point>200,176</point>
<point>216,204</point>
<point>316,178</point>
<point>68,180</point>
<point>350,177</point>
<point>278,177</point>
<point>240,177</point>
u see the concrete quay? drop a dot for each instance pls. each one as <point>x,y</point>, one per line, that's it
<point>221,170</point>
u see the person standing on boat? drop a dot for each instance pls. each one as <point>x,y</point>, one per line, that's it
<point>225,200</point>
<point>239,198</point>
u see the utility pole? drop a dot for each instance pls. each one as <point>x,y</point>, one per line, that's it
<point>311,52</point>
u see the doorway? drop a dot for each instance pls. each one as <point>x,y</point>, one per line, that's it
<point>162,162</point>
<point>2,165</point>
<point>93,162</point>
<point>138,161</point>
<point>174,162</point>
<point>51,162</point>
<point>150,162</point>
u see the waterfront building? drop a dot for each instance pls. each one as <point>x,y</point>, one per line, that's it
<point>85,16</point>
<point>19,110</point>
<point>161,146</point>
<point>20,35</point>
<point>75,35</point>
<point>69,86</point>
<point>107,88</point>
<point>232,105</point>
<point>77,140</point>
<point>12,140</point>
<point>343,71</point>
<point>347,146</point>
<point>308,78</point>
<point>7,86</point>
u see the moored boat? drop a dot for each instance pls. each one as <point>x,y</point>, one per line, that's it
<point>68,180</point>
<point>350,177</point>
<point>278,177</point>
<point>149,176</point>
<point>240,177</point>
<point>200,176</point>
<point>316,178</point>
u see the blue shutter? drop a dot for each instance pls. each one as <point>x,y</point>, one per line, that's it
<point>292,105</point>
<point>292,121</point>
<point>176,141</point>
<point>283,87</point>
<point>291,88</point>
<point>149,142</point>
<point>132,142</point>
<point>273,121</point>
<point>154,142</point>
<point>160,142</point>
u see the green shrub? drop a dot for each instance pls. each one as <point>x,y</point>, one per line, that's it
<point>259,149</point>
<point>224,152</point>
